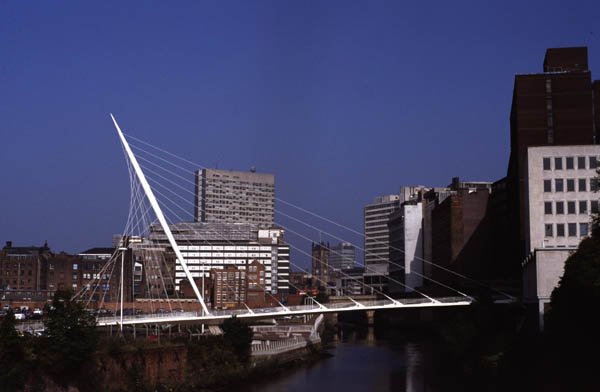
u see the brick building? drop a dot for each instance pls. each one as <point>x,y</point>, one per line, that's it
<point>462,232</point>
<point>554,107</point>
<point>23,267</point>
<point>229,286</point>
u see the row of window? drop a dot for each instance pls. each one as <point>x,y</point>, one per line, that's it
<point>569,163</point>
<point>582,185</point>
<point>559,207</point>
<point>558,229</point>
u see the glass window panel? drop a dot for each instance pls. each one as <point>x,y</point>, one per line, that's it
<point>572,229</point>
<point>570,185</point>
<point>558,163</point>
<point>571,207</point>
<point>581,162</point>
<point>547,164</point>
<point>558,185</point>
<point>548,230</point>
<point>583,207</point>
<point>560,207</point>
<point>560,230</point>
<point>548,207</point>
<point>582,185</point>
<point>570,163</point>
<point>547,186</point>
<point>583,229</point>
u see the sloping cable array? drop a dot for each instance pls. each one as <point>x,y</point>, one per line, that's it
<point>160,155</point>
<point>144,155</point>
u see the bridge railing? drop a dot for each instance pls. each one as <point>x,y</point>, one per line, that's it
<point>279,310</point>
<point>280,346</point>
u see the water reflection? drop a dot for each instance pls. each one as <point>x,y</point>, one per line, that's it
<point>363,360</point>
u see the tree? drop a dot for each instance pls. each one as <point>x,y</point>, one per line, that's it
<point>12,355</point>
<point>574,303</point>
<point>322,296</point>
<point>239,336</point>
<point>70,337</point>
<point>573,321</point>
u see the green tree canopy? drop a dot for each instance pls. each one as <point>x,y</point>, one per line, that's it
<point>12,355</point>
<point>573,321</point>
<point>70,336</point>
<point>239,336</point>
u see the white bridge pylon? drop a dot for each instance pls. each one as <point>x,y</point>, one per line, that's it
<point>159,214</point>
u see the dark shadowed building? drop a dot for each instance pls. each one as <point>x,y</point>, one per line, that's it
<point>462,231</point>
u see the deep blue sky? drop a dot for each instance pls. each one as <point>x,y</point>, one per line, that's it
<point>341,100</point>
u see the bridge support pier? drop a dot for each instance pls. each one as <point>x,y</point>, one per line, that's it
<point>370,317</point>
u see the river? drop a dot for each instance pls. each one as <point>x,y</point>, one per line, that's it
<point>365,361</point>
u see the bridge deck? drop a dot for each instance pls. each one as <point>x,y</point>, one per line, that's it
<point>219,315</point>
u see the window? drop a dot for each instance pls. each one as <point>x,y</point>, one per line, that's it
<point>581,162</point>
<point>560,230</point>
<point>582,185</point>
<point>547,164</point>
<point>571,207</point>
<point>593,185</point>
<point>547,186</point>
<point>594,206</point>
<point>559,185</point>
<point>572,229</point>
<point>570,185</point>
<point>583,207</point>
<point>583,229</point>
<point>548,230</point>
<point>560,207</point>
<point>75,266</point>
<point>558,163</point>
<point>570,163</point>
<point>593,162</point>
<point>548,207</point>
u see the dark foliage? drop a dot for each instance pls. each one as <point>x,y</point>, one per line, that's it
<point>573,321</point>
<point>239,336</point>
<point>13,366</point>
<point>70,340</point>
<point>322,296</point>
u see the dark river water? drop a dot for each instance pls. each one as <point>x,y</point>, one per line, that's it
<point>365,361</point>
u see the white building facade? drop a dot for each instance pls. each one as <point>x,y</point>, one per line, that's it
<point>227,196</point>
<point>376,217</point>
<point>406,247</point>
<point>561,186</point>
<point>206,246</point>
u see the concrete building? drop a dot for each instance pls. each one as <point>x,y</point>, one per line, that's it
<point>342,256</point>
<point>208,246</point>
<point>406,247</point>
<point>321,269</point>
<point>351,282</point>
<point>226,196</point>
<point>376,217</point>
<point>561,185</point>
<point>554,107</point>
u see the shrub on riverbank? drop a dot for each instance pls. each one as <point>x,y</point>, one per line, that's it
<point>62,356</point>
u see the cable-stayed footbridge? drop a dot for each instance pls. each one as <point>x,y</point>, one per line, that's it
<point>156,174</point>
